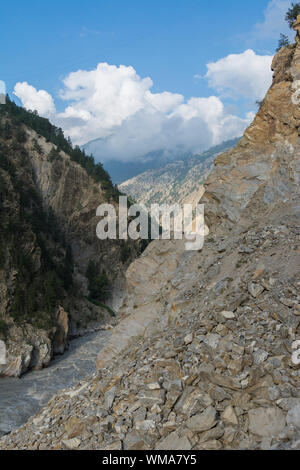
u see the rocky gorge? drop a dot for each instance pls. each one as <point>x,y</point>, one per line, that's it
<point>49,196</point>
<point>202,353</point>
<point>21,398</point>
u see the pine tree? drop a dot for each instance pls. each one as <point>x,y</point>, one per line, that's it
<point>50,290</point>
<point>68,268</point>
<point>98,283</point>
<point>292,14</point>
<point>19,302</point>
<point>283,42</point>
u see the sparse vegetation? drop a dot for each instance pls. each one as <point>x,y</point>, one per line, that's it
<point>283,42</point>
<point>292,14</point>
<point>37,147</point>
<point>31,242</point>
<point>98,283</point>
<point>100,304</point>
<point>54,154</point>
<point>125,252</point>
<point>290,17</point>
<point>21,136</point>
<point>3,328</point>
<point>55,135</point>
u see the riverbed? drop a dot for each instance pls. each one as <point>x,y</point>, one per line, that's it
<point>23,397</point>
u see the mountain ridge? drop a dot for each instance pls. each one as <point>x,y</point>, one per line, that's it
<point>175,181</point>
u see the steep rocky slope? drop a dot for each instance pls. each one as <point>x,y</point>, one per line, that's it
<point>175,181</point>
<point>47,241</point>
<point>204,358</point>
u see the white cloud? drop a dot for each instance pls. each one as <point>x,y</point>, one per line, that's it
<point>193,126</point>
<point>115,107</point>
<point>274,21</point>
<point>211,111</point>
<point>32,99</point>
<point>246,75</point>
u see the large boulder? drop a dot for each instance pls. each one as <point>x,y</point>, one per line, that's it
<point>266,422</point>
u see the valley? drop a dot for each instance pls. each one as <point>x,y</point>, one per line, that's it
<point>180,350</point>
<point>177,182</point>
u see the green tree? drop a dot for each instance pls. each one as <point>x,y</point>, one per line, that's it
<point>125,252</point>
<point>92,270</point>
<point>98,283</point>
<point>54,154</point>
<point>68,268</point>
<point>7,131</point>
<point>52,290</point>
<point>292,14</point>
<point>19,302</point>
<point>3,328</point>
<point>37,147</point>
<point>99,287</point>
<point>283,42</point>
<point>21,136</point>
<point>2,256</point>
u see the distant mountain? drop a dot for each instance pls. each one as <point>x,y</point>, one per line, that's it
<point>177,181</point>
<point>120,170</point>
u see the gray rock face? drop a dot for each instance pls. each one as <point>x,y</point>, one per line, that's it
<point>266,422</point>
<point>255,289</point>
<point>203,421</point>
<point>71,444</point>
<point>174,442</point>
<point>109,397</point>
<point>293,417</point>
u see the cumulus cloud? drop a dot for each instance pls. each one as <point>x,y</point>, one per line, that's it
<point>245,75</point>
<point>33,99</point>
<point>116,109</point>
<point>274,22</point>
<point>192,126</point>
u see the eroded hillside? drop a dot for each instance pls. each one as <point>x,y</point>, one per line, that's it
<point>55,275</point>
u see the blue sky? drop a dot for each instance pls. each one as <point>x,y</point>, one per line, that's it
<point>171,41</point>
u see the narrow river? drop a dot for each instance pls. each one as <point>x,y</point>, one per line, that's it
<point>22,398</point>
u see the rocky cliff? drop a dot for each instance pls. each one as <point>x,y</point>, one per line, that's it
<point>203,356</point>
<point>262,168</point>
<point>48,241</point>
